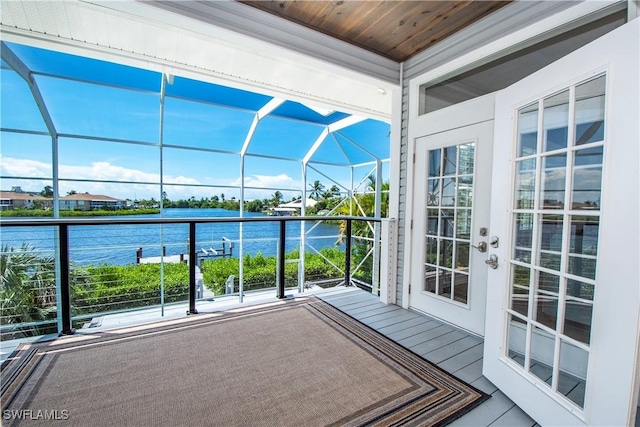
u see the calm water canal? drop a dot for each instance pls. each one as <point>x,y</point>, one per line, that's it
<point>117,244</point>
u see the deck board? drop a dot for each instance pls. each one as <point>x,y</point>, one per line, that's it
<point>387,321</point>
<point>513,417</point>
<point>445,351</point>
<point>426,349</point>
<point>463,358</point>
<point>452,349</point>
<point>401,325</point>
<point>421,337</point>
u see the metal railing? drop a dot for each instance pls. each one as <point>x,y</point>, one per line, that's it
<point>63,245</point>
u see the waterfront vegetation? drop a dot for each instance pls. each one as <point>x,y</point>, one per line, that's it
<point>28,290</point>
<point>26,213</point>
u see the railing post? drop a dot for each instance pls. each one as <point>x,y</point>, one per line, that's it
<point>281,256</point>
<point>192,268</point>
<point>347,256</point>
<point>65,292</point>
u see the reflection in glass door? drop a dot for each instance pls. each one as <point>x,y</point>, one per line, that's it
<point>449,201</point>
<point>556,223</point>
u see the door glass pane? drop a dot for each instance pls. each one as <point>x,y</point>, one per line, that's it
<point>446,253</point>
<point>556,121</point>
<point>583,246</point>
<point>542,349</point>
<point>465,191</point>
<point>449,200</point>
<point>463,224</point>
<point>462,256</point>
<point>448,192</point>
<point>587,179</point>
<point>444,283</point>
<point>431,251</point>
<point>525,183</point>
<point>460,287</point>
<point>546,308</point>
<point>516,339</point>
<point>528,130</point>
<point>554,169</point>
<point>433,192</point>
<point>450,160</point>
<point>432,221</point>
<point>573,372</point>
<point>577,318</point>
<point>431,280</point>
<point>551,227</point>
<point>589,115</point>
<point>466,159</point>
<point>583,237</point>
<point>447,221</point>
<point>435,162</point>
<point>523,237</point>
<point>520,289</point>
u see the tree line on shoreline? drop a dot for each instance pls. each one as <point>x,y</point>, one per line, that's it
<point>325,198</point>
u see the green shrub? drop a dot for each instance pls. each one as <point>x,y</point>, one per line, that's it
<point>260,271</point>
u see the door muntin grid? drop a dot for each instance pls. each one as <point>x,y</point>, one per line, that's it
<point>449,205</point>
<point>556,223</point>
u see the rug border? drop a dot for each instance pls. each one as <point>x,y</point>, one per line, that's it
<point>483,396</point>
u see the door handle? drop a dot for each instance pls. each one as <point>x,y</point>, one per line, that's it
<point>482,247</point>
<point>492,261</point>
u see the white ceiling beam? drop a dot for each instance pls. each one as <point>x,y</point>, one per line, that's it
<point>23,71</point>
<point>269,107</point>
<point>262,113</point>
<point>315,146</point>
<point>346,122</point>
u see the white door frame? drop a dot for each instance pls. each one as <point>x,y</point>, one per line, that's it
<point>612,376</point>
<point>464,122</point>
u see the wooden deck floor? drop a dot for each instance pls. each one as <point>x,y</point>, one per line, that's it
<point>454,350</point>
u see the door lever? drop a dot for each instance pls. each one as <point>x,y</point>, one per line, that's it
<point>492,261</point>
<point>482,247</point>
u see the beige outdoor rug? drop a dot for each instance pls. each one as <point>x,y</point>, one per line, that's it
<point>291,363</point>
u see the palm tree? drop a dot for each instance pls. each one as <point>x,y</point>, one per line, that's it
<point>27,288</point>
<point>276,199</point>
<point>316,190</point>
<point>47,192</point>
<point>363,205</point>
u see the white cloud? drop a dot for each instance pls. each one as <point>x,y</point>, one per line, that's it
<point>269,183</point>
<point>106,171</point>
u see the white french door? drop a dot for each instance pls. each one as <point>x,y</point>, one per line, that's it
<point>451,213</point>
<point>562,318</point>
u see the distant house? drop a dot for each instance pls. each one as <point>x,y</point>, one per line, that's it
<point>292,208</point>
<point>89,202</point>
<point>18,199</point>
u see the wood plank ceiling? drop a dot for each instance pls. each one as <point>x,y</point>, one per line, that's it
<point>394,29</point>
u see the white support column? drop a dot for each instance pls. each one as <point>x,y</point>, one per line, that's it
<point>260,114</point>
<point>303,232</point>
<point>163,87</point>
<point>376,230</point>
<point>388,265</point>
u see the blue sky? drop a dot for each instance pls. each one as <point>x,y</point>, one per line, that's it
<point>128,108</point>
